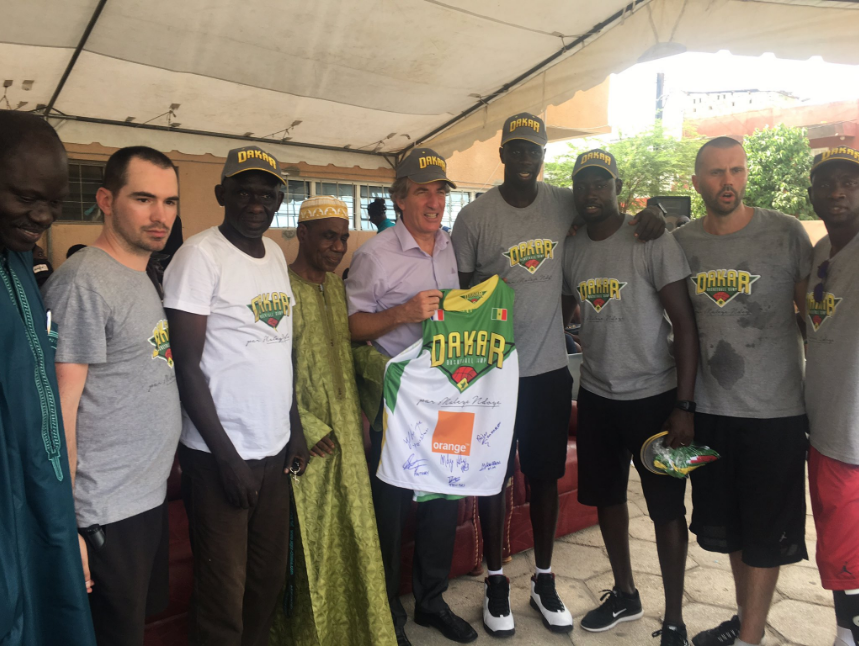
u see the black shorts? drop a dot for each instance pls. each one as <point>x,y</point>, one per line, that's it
<point>610,432</point>
<point>753,498</point>
<point>542,426</point>
<point>130,576</point>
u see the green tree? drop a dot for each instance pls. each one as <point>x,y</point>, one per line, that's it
<point>649,163</point>
<point>779,164</point>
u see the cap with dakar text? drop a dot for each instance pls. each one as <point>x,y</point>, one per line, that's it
<point>240,160</point>
<point>596,159</point>
<point>841,153</point>
<point>524,126</point>
<point>423,166</point>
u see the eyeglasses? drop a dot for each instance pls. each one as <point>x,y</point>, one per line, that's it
<point>822,271</point>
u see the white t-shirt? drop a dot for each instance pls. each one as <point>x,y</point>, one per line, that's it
<point>247,359</point>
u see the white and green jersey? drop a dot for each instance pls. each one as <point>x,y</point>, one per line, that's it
<point>450,398</point>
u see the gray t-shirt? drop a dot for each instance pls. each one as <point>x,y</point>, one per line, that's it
<point>832,369</point>
<point>742,288</point>
<point>624,332</point>
<point>129,419</point>
<point>525,248</point>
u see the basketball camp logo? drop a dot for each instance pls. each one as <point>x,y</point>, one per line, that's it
<point>599,292</point>
<point>270,308</point>
<point>466,355</point>
<point>819,313</point>
<point>453,432</point>
<point>160,340</point>
<point>723,285</point>
<point>530,254</point>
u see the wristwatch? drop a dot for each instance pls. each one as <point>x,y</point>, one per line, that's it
<point>688,406</point>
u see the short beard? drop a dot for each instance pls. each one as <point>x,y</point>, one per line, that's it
<point>717,209</point>
<point>136,245</point>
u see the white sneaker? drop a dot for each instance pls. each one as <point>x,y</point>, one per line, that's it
<point>497,616</point>
<point>545,599</point>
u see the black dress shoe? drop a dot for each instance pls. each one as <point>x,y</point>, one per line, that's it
<point>454,628</point>
<point>402,640</point>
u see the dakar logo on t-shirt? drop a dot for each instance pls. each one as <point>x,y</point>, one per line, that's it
<point>452,433</point>
<point>818,313</point>
<point>599,292</point>
<point>161,340</point>
<point>530,254</point>
<point>270,308</point>
<point>723,285</point>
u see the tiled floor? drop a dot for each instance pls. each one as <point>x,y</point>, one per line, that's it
<point>801,614</point>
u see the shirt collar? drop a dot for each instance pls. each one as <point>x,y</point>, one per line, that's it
<point>407,241</point>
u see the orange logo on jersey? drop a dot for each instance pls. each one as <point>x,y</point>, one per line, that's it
<point>453,433</point>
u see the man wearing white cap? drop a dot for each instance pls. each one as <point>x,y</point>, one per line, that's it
<point>230,305</point>
<point>338,565</point>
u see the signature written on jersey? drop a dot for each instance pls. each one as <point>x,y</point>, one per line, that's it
<point>415,435</point>
<point>417,467</point>
<point>466,402</point>
<point>483,438</point>
<point>450,463</point>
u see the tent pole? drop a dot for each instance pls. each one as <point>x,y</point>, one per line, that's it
<point>74,59</point>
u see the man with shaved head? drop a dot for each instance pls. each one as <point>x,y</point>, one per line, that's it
<point>749,268</point>
<point>41,583</point>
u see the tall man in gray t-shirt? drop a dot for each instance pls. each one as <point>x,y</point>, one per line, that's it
<point>631,388</point>
<point>118,393</point>
<point>831,378</point>
<point>749,267</point>
<point>517,231</point>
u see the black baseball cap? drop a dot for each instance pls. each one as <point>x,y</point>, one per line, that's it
<point>596,159</point>
<point>424,166</point>
<point>841,153</point>
<point>525,126</point>
<point>240,160</point>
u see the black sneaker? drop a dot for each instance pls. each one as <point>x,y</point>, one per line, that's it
<point>722,635</point>
<point>545,600</point>
<point>497,618</point>
<point>672,635</point>
<point>616,607</point>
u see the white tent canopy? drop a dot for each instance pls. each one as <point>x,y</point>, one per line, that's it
<point>319,80</point>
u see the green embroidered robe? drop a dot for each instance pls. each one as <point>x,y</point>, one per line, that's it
<point>42,592</point>
<point>339,580</point>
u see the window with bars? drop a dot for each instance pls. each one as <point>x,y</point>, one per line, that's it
<point>85,178</point>
<point>298,191</point>
<point>370,193</point>
<point>453,205</point>
<point>295,192</point>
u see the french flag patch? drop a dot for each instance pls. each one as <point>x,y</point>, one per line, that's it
<point>438,316</point>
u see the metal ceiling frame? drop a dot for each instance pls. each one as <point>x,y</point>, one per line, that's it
<point>74,59</point>
<point>388,156</point>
